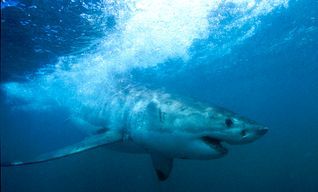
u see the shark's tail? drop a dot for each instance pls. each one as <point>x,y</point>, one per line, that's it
<point>92,142</point>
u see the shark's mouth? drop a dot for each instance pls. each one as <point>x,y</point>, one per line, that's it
<point>215,144</point>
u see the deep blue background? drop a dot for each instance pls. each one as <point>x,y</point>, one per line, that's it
<point>272,77</point>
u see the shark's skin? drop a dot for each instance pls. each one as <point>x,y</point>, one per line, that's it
<point>158,122</point>
<point>139,120</point>
<point>168,127</point>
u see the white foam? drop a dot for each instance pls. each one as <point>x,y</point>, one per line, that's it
<point>147,33</point>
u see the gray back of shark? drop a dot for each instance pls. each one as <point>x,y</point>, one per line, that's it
<point>138,120</point>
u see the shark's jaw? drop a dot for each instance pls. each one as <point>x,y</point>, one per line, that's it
<point>214,144</point>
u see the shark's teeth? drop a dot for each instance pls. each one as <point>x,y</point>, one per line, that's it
<point>214,143</point>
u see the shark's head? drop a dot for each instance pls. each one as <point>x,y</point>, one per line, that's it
<point>224,125</point>
<point>209,127</point>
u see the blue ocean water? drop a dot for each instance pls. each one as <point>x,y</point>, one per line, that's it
<point>255,57</point>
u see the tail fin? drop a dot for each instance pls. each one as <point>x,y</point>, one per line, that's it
<point>93,142</point>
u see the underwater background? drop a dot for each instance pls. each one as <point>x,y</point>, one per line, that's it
<point>255,57</point>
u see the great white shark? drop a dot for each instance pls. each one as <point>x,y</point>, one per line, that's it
<point>140,120</point>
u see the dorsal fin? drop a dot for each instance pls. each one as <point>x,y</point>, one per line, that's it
<point>154,112</point>
<point>87,144</point>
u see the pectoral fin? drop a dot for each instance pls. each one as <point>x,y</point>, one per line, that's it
<point>163,166</point>
<point>87,144</point>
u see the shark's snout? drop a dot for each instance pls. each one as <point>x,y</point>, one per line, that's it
<point>262,131</point>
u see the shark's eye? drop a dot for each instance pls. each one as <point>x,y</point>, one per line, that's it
<point>228,122</point>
